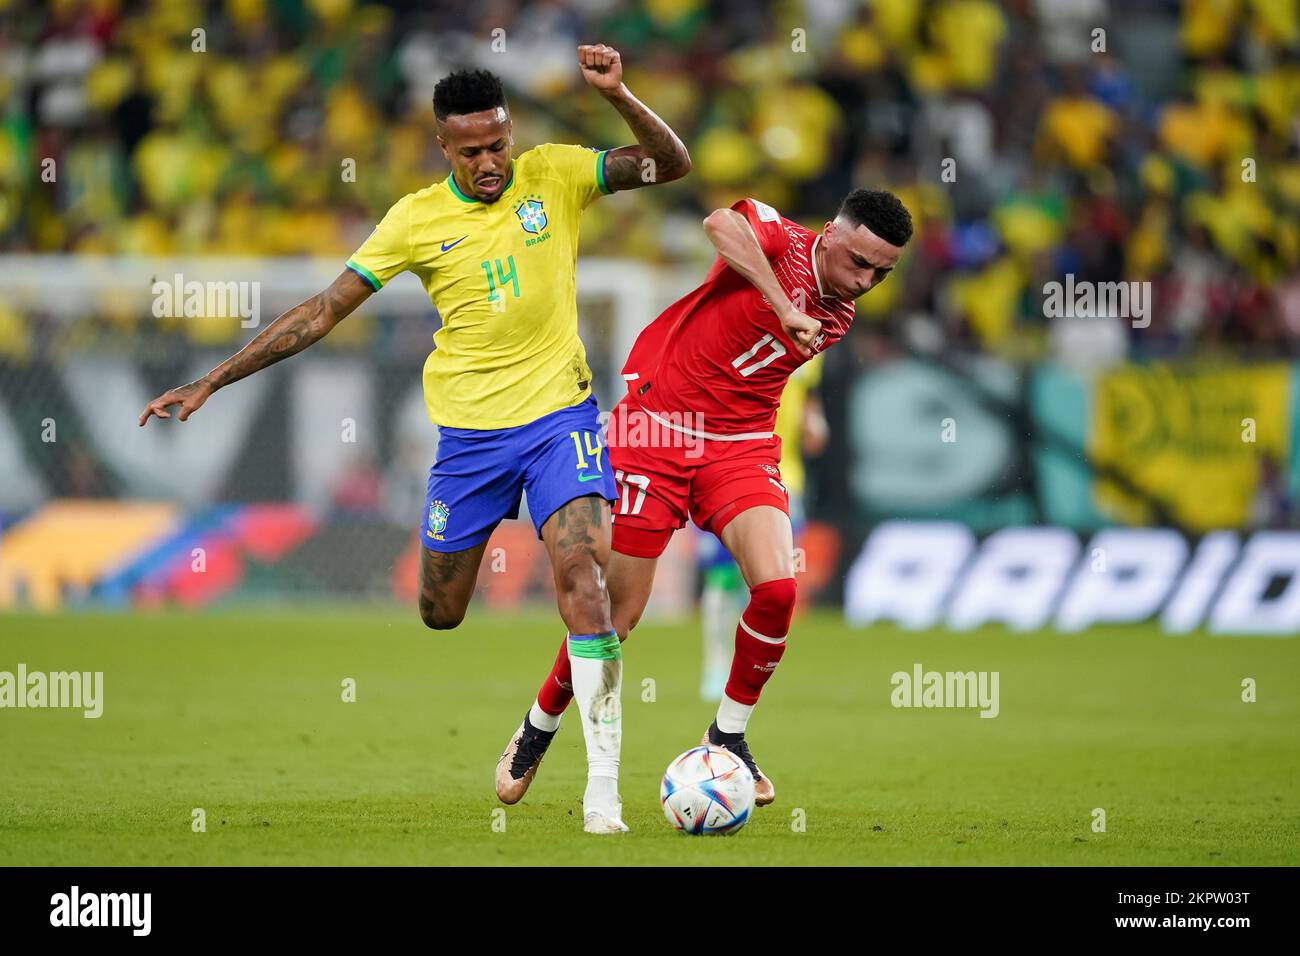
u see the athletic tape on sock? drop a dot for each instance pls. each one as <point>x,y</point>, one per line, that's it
<point>598,647</point>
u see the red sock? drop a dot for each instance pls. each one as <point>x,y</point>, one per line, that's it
<point>557,690</point>
<point>760,639</point>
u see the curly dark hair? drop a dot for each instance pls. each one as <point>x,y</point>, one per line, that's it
<point>879,211</point>
<point>467,91</point>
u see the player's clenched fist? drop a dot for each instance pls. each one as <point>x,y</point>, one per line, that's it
<point>802,329</point>
<point>189,397</point>
<point>601,66</point>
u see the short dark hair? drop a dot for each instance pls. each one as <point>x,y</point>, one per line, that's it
<point>879,211</point>
<point>467,91</point>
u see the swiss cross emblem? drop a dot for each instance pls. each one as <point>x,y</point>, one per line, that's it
<point>531,216</point>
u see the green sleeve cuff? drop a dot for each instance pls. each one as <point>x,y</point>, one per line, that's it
<point>365,274</point>
<point>600,172</point>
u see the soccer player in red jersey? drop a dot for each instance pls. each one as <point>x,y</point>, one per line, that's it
<point>693,436</point>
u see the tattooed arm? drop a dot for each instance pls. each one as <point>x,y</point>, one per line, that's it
<point>660,156</point>
<point>738,246</point>
<point>289,334</point>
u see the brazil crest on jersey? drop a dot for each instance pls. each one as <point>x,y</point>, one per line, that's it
<point>502,277</point>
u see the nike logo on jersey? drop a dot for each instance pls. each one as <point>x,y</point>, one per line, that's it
<point>586,477</point>
<point>449,245</point>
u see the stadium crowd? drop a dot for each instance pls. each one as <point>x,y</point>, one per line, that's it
<point>1143,140</point>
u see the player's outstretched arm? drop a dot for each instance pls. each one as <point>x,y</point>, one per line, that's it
<point>287,335</point>
<point>733,237</point>
<point>660,156</point>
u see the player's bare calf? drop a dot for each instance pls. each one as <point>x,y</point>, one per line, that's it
<point>446,585</point>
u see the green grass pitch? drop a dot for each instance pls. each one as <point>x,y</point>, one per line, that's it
<point>240,713</point>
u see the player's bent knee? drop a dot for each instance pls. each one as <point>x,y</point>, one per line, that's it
<point>583,603</point>
<point>440,618</point>
<point>771,606</point>
<point>581,596</point>
<point>581,583</point>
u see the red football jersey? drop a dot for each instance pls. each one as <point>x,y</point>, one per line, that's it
<point>720,352</point>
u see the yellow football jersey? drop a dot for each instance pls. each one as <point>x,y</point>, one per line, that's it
<point>502,277</point>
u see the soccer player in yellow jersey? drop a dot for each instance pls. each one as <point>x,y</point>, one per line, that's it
<point>495,245</point>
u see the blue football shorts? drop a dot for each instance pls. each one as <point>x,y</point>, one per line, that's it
<point>481,474</point>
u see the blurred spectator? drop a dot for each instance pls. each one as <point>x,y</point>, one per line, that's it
<point>1273,506</point>
<point>181,127</point>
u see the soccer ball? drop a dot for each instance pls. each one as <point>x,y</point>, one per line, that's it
<point>707,791</point>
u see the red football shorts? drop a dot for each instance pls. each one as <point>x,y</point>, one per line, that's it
<point>666,470</point>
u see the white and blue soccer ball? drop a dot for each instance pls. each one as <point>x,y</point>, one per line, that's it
<point>707,791</point>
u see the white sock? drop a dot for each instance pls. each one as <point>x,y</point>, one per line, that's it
<point>597,662</point>
<point>733,716</point>
<point>542,720</point>
<point>602,794</point>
